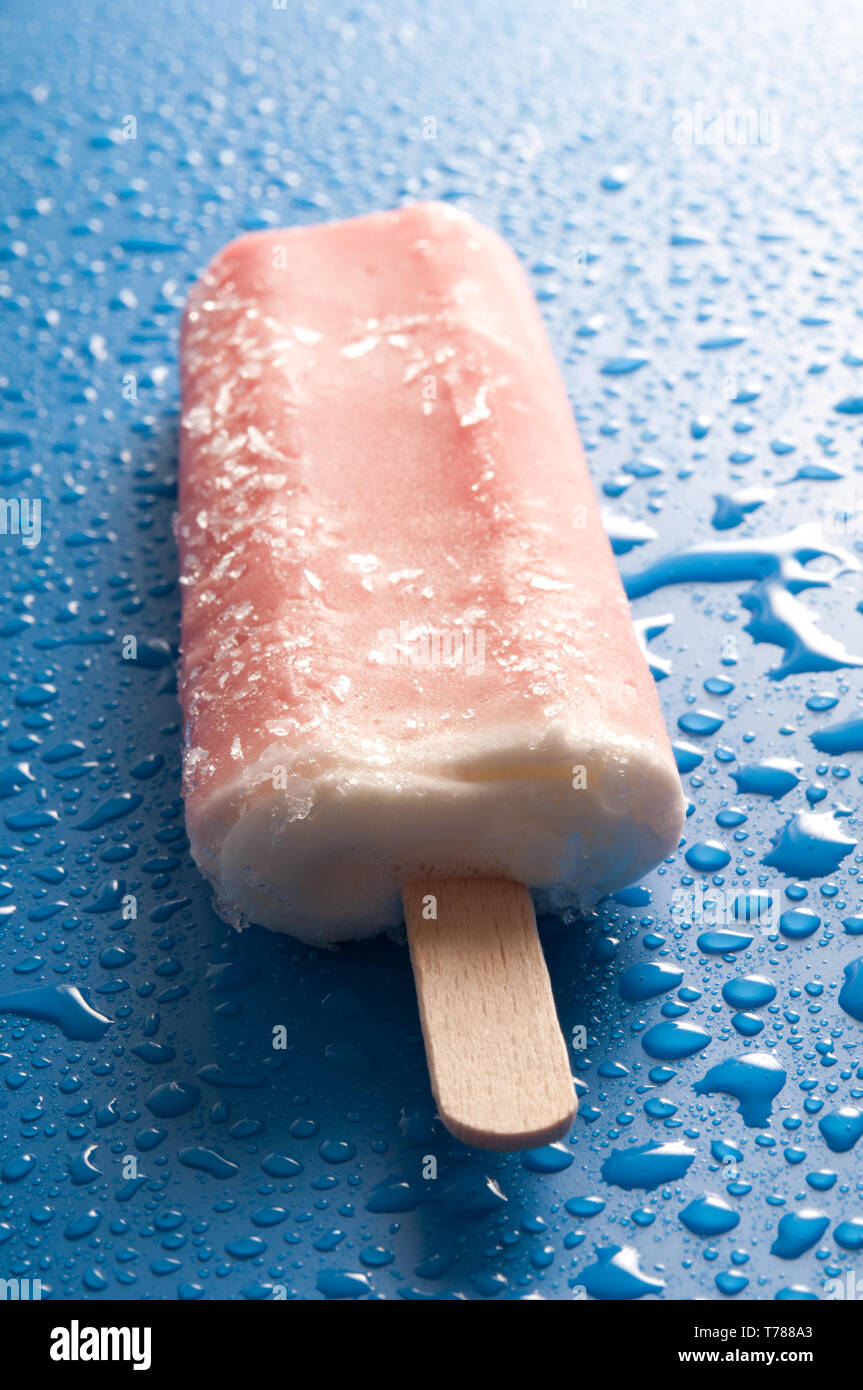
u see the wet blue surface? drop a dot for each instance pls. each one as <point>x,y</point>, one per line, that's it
<point>702,295</point>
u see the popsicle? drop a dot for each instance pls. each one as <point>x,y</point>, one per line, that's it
<point>410,679</point>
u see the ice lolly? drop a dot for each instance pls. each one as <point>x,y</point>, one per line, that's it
<point>407,654</point>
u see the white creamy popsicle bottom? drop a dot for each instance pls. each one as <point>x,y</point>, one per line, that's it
<point>324,858</point>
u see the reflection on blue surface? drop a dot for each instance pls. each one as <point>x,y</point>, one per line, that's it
<point>699,277</point>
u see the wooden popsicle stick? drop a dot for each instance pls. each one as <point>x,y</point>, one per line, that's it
<point>498,1063</point>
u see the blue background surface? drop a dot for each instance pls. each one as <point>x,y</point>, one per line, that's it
<point>703,299</point>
